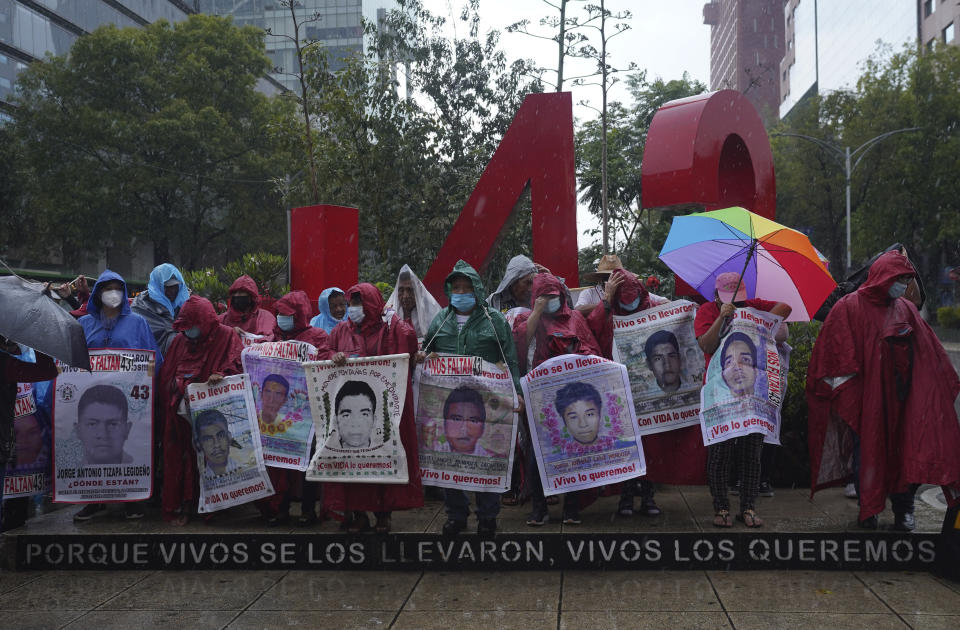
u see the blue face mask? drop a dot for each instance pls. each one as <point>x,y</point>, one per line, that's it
<point>553,305</point>
<point>285,322</point>
<point>898,289</point>
<point>632,305</point>
<point>463,302</point>
<point>355,313</point>
<point>192,333</point>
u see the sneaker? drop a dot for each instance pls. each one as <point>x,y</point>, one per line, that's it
<point>132,512</point>
<point>871,522</point>
<point>765,489</point>
<point>537,519</point>
<point>88,512</point>
<point>850,491</point>
<point>571,519</point>
<point>278,519</point>
<point>453,527</point>
<point>735,489</point>
<point>487,526</point>
<point>649,507</point>
<point>904,522</point>
<point>625,507</point>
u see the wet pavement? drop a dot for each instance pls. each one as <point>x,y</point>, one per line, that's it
<point>490,599</point>
<point>464,600</point>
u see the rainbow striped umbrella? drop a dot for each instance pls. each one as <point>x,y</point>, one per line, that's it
<point>777,263</point>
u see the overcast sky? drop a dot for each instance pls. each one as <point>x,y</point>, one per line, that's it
<point>667,38</point>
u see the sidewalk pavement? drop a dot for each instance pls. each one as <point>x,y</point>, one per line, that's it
<point>465,600</point>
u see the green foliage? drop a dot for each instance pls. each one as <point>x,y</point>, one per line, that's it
<point>154,134</point>
<point>949,316</point>
<point>385,289</point>
<point>793,462</point>
<point>637,233</point>
<point>905,188</point>
<point>267,270</point>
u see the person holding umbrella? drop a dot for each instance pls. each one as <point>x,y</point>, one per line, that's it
<point>709,326</point>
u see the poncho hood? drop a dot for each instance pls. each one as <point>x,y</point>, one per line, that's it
<point>463,268</point>
<point>160,275</point>
<point>628,291</point>
<point>94,304</point>
<point>325,320</point>
<point>373,304</point>
<point>295,303</point>
<point>427,307</point>
<point>518,267</point>
<point>197,311</point>
<point>883,273</point>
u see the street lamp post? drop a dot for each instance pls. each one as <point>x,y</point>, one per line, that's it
<point>846,154</point>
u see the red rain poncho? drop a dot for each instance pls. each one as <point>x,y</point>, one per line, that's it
<point>878,370</point>
<point>674,457</point>
<point>216,351</point>
<point>256,321</point>
<point>295,303</point>
<point>374,337</point>
<point>563,332</point>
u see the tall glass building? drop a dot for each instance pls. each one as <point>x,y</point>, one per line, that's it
<point>31,28</point>
<point>339,27</point>
<point>827,42</point>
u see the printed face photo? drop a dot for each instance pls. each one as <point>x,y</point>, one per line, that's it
<point>102,426</point>
<point>665,365</point>
<point>583,420</point>
<point>214,439</point>
<point>463,424</point>
<point>29,437</point>
<point>356,412</point>
<point>272,397</point>
<point>739,365</point>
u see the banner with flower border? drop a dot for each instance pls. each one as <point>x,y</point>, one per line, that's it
<point>466,423</point>
<point>282,401</point>
<point>582,423</point>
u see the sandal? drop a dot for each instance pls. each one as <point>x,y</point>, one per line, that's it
<point>359,523</point>
<point>722,519</point>
<point>749,518</point>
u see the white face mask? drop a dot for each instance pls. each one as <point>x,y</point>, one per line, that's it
<point>897,289</point>
<point>112,298</point>
<point>355,313</point>
<point>553,305</point>
<point>285,322</point>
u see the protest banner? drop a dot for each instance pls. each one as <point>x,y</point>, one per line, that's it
<point>356,409</point>
<point>664,363</point>
<point>30,474</point>
<point>227,442</point>
<point>281,400</point>
<point>466,423</point>
<point>745,381</point>
<point>582,423</point>
<point>103,428</point>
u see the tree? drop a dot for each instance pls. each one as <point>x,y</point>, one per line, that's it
<point>566,38</point>
<point>636,233</point>
<point>154,135</point>
<point>905,188</point>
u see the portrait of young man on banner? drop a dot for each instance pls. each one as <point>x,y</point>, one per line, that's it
<point>466,423</point>
<point>664,364</point>
<point>582,423</point>
<point>103,428</point>
<point>281,400</point>
<point>227,442</point>
<point>31,474</point>
<point>356,410</point>
<point>745,381</point>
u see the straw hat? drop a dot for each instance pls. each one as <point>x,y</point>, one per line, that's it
<point>608,263</point>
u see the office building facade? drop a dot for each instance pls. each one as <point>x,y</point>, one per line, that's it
<point>939,22</point>
<point>746,46</point>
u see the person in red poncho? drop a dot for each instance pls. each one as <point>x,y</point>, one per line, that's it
<point>293,324</point>
<point>556,329</point>
<point>366,334</point>
<point>207,351</point>
<point>881,394</point>
<point>677,456</point>
<point>244,310</point>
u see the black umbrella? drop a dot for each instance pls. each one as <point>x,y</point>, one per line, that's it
<point>33,319</point>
